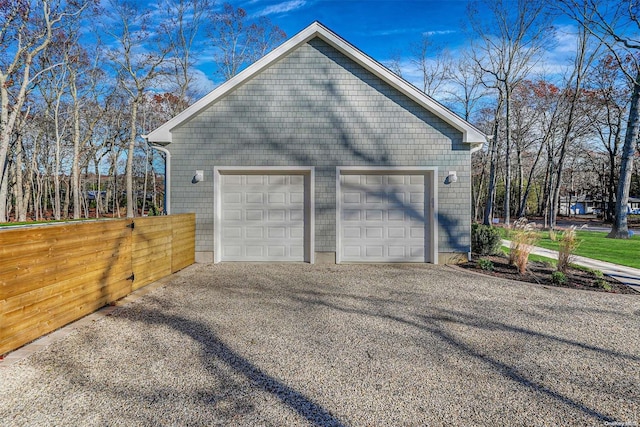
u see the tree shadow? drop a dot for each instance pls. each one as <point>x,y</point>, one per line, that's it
<point>437,325</point>
<point>213,347</point>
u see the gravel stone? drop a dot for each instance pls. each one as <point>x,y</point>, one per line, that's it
<point>339,345</point>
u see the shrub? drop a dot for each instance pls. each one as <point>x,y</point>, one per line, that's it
<point>603,284</point>
<point>485,264</point>
<point>485,240</point>
<point>567,244</point>
<point>559,278</point>
<point>523,238</point>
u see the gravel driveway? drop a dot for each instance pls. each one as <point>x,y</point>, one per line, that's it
<point>248,344</point>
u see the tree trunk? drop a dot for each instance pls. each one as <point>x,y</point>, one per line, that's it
<point>4,190</point>
<point>493,159</point>
<point>129,173</point>
<point>21,203</point>
<point>527,188</point>
<point>507,160</point>
<point>620,229</point>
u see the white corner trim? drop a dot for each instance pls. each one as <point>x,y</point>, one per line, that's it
<point>470,134</point>
<point>431,186</point>
<point>309,186</point>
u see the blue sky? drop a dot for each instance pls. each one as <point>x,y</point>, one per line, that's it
<point>384,28</point>
<point>378,27</point>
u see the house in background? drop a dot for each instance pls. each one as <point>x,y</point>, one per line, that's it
<point>318,153</point>
<point>586,205</point>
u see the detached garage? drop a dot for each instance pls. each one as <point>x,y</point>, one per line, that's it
<point>317,153</point>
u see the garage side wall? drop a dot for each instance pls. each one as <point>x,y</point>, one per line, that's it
<point>316,107</point>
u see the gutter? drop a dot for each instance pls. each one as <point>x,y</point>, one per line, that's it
<point>167,175</point>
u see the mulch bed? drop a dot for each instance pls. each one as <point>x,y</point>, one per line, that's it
<point>540,273</point>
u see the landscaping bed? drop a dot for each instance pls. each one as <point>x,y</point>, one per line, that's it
<point>542,273</point>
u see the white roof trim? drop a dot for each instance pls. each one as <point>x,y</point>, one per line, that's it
<point>470,134</point>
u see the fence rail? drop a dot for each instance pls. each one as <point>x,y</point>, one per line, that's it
<point>51,275</point>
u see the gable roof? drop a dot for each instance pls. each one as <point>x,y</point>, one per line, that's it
<point>470,134</point>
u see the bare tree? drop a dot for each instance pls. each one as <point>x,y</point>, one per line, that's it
<point>238,42</point>
<point>617,26</point>
<point>465,89</point>
<point>433,63</point>
<point>139,60</point>
<point>183,26</point>
<point>26,30</point>
<point>509,46</point>
<point>607,103</point>
<point>571,104</point>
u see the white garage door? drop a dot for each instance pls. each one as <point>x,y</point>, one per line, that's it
<point>262,217</point>
<point>382,218</point>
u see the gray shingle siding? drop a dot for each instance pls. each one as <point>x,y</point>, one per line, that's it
<point>316,107</point>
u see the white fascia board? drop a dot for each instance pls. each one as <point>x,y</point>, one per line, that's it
<point>471,135</point>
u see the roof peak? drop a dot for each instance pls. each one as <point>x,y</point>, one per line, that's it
<point>471,134</point>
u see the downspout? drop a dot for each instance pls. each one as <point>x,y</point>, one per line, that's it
<point>167,177</point>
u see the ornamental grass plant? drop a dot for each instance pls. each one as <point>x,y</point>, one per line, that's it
<point>523,238</point>
<point>567,245</point>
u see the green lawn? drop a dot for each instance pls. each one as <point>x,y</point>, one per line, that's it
<point>596,245</point>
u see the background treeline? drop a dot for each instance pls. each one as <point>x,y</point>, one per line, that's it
<point>81,81</point>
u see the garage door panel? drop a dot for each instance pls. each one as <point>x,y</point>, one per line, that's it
<point>351,215</point>
<point>254,232</point>
<point>256,198</point>
<point>232,250</point>
<point>350,198</point>
<point>382,218</point>
<point>232,232</point>
<point>276,179</point>
<point>296,180</point>
<point>231,180</point>
<point>232,215</point>
<point>374,232</point>
<point>297,232</point>
<point>396,232</point>
<point>372,179</point>
<point>255,180</point>
<point>373,251</point>
<point>416,198</point>
<point>277,232</point>
<point>276,215</point>
<point>296,215</point>
<point>417,232</point>
<point>397,252</point>
<point>232,198</point>
<point>397,180</point>
<point>350,252</point>
<point>417,251</point>
<point>254,215</point>
<point>296,198</point>
<point>263,217</point>
<point>297,251</point>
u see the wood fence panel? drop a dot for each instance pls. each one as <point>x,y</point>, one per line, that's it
<point>184,241</point>
<point>151,254</point>
<point>51,275</point>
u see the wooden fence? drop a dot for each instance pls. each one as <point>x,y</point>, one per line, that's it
<point>51,275</point>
